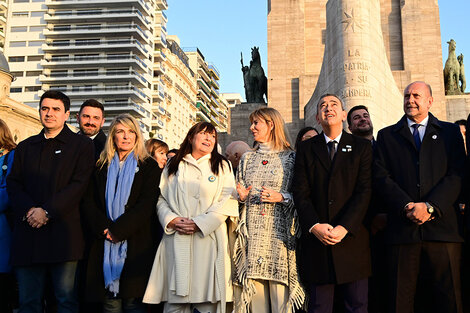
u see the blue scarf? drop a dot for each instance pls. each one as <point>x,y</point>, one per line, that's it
<point>118,188</point>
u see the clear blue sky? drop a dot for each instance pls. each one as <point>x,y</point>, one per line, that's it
<point>221,29</point>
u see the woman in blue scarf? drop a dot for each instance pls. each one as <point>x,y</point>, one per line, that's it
<point>120,220</point>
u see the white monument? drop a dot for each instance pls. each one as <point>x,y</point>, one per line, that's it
<point>355,65</point>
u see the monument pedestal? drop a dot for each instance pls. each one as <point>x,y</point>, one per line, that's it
<point>239,124</point>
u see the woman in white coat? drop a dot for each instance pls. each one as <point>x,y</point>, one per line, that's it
<point>192,268</point>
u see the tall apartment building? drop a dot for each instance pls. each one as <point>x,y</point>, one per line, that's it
<point>211,109</point>
<point>3,22</point>
<point>176,93</point>
<point>100,49</point>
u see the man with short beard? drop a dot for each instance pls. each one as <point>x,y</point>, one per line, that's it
<point>359,122</point>
<point>90,118</point>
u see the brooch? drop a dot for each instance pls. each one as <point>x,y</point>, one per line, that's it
<point>434,136</point>
<point>347,149</point>
<point>212,178</point>
<point>4,167</point>
<point>137,169</point>
<point>264,162</point>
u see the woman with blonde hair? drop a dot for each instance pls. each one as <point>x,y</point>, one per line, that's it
<point>192,271</point>
<point>265,263</point>
<point>119,214</point>
<point>7,146</point>
<point>157,150</point>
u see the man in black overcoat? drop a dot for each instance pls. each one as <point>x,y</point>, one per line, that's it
<point>49,175</point>
<point>417,171</point>
<point>332,189</point>
<point>90,119</point>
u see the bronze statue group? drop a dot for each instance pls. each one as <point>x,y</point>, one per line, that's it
<point>343,223</point>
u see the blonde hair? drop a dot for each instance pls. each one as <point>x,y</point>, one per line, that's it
<point>140,153</point>
<point>6,139</point>
<point>278,137</point>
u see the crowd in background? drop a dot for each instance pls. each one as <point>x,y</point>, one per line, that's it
<point>341,222</point>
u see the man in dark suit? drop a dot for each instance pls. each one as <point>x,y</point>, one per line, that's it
<point>49,175</point>
<point>417,171</point>
<point>332,188</point>
<point>90,119</point>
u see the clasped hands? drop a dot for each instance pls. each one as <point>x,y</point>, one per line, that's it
<point>266,195</point>
<point>329,235</point>
<point>36,217</point>
<point>183,225</point>
<point>418,213</point>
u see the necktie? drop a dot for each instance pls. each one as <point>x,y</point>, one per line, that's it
<point>416,135</point>
<point>332,148</point>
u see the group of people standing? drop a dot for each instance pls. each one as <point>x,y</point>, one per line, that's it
<point>112,224</point>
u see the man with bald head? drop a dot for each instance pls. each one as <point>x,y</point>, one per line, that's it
<point>418,167</point>
<point>234,152</point>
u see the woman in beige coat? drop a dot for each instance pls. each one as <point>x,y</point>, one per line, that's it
<point>192,265</point>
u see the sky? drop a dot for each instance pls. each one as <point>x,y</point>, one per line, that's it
<point>221,29</point>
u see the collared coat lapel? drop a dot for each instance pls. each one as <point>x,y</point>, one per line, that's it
<point>320,148</point>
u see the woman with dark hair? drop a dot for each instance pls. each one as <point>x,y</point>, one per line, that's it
<point>157,150</point>
<point>192,267</point>
<point>304,134</point>
<point>7,146</point>
<point>120,220</point>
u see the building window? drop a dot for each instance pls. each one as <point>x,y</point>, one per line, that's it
<point>35,58</point>
<point>37,14</point>
<point>17,74</point>
<point>19,29</point>
<point>36,28</point>
<point>16,59</point>
<point>33,73</point>
<point>15,44</point>
<point>16,89</point>
<point>20,1</point>
<point>19,14</point>
<point>32,88</point>
<point>35,43</point>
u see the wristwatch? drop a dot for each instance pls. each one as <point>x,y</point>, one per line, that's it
<point>430,208</point>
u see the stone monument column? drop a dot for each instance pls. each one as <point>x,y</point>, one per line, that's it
<point>355,65</point>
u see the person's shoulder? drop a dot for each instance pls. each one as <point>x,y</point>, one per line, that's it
<point>149,163</point>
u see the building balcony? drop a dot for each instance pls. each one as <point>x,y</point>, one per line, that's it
<point>202,106</point>
<point>114,108</point>
<point>116,45</point>
<point>159,55</point>
<point>159,68</point>
<point>222,114</point>
<point>157,122</point>
<point>91,76</point>
<point>201,116</point>
<point>158,109</point>
<point>161,17</point>
<point>214,71</point>
<point>203,96</point>
<point>204,86</point>
<point>85,4</point>
<point>214,92</point>
<point>3,19</point>
<point>108,61</point>
<point>162,4</point>
<point>3,5</point>
<point>84,31</point>
<point>203,74</point>
<point>98,16</point>
<point>86,92</point>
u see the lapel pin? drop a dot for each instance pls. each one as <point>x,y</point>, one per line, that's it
<point>344,149</point>
<point>212,178</point>
<point>58,151</point>
<point>137,169</point>
<point>4,167</point>
<point>434,136</point>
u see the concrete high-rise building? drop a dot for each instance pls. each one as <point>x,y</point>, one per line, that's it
<point>102,49</point>
<point>177,94</point>
<point>3,22</point>
<point>211,109</point>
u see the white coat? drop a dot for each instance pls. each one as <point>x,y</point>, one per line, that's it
<point>194,268</point>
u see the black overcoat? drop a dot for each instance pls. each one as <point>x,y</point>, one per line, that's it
<point>52,174</point>
<point>337,193</point>
<point>138,225</point>
<point>434,174</point>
